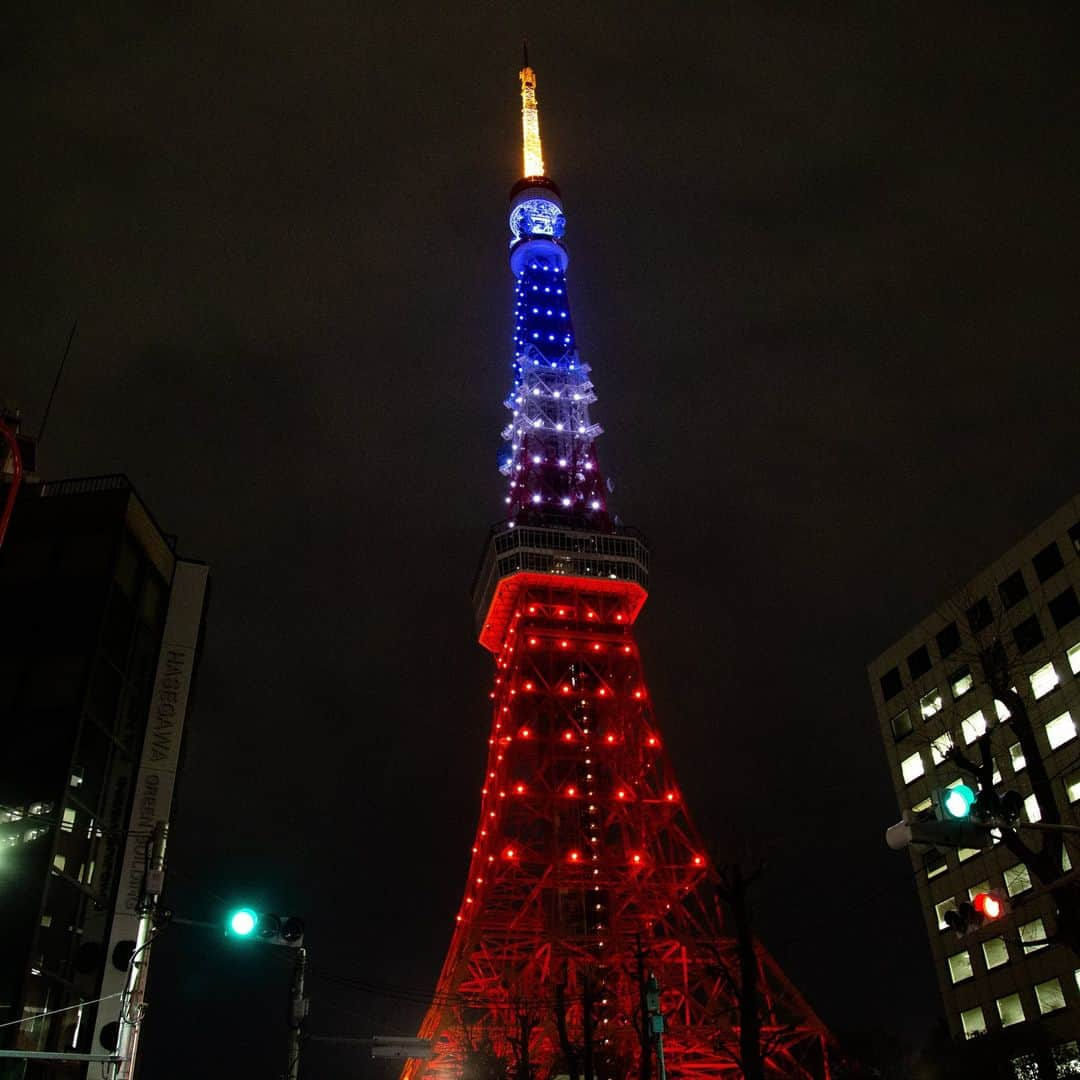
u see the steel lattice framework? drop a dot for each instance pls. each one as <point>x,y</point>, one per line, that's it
<point>587,870</point>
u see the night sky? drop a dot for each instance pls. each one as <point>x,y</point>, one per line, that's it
<point>823,266</point>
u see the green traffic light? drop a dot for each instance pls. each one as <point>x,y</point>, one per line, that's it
<point>959,801</point>
<point>242,922</point>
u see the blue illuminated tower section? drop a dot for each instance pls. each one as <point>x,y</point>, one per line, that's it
<point>551,464</point>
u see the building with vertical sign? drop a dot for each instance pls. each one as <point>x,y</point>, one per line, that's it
<point>1012,979</point>
<point>99,644</point>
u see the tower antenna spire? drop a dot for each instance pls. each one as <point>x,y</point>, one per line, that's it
<point>530,120</point>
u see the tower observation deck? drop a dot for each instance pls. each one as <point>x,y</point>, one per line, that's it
<point>587,874</point>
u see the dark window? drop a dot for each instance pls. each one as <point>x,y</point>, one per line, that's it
<point>1064,607</point>
<point>933,861</point>
<point>1028,634</point>
<point>1074,536</point>
<point>890,684</point>
<point>1012,590</point>
<point>901,725</point>
<point>1048,562</point>
<point>979,615</point>
<point>948,640</point>
<point>918,663</point>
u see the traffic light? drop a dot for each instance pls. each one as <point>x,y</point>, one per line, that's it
<point>924,835</point>
<point>985,907</point>
<point>266,927</point>
<point>991,905</point>
<point>241,923</point>
<point>953,803</point>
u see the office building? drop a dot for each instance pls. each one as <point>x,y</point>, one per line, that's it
<point>98,645</point>
<point>1016,624</point>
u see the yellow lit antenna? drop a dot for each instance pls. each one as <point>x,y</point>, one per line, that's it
<point>530,121</point>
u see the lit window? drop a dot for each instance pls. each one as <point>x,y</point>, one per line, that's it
<point>1017,879</point>
<point>918,808</point>
<point>1016,755</point>
<point>911,768</point>
<point>983,886</point>
<point>1010,1010</point>
<point>68,823</point>
<point>1043,681</point>
<point>939,747</point>
<point>59,862</point>
<point>1066,862</point>
<point>960,683</point>
<point>1033,932</point>
<point>1050,996</point>
<point>1060,730</point>
<point>995,953</point>
<point>930,704</point>
<point>965,853</point>
<point>973,1022</point>
<point>940,909</point>
<point>901,725</point>
<point>973,727</point>
<point>1074,659</point>
<point>1032,810</point>
<point>1000,711</point>
<point>1072,787</point>
<point>935,863</point>
<point>960,967</point>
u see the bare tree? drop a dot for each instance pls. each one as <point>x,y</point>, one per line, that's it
<point>752,1013</point>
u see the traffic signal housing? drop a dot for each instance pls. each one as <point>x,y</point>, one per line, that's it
<point>267,927</point>
<point>983,908</point>
<point>991,905</point>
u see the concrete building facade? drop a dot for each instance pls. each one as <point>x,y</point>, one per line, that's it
<point>933,699</point>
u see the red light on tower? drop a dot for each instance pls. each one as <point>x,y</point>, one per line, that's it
<point>574,856</point>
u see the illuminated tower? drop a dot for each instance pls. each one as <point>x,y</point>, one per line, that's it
<point>587,874</point>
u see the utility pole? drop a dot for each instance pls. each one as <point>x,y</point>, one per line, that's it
<point>655,1020</point>
<point>298,1008</point>
<point>133,1001</point>
<point>645,1072</point>
<point>587,1026</point>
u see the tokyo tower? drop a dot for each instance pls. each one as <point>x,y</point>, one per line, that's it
<point>589,922</point>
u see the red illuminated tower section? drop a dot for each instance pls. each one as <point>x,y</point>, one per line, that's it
<point>587,874</point>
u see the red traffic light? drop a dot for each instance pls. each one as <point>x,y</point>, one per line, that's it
<point>990,905</point>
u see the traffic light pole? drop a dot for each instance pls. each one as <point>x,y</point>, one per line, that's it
<point>297,1012</point>
<point>132,1002</point>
